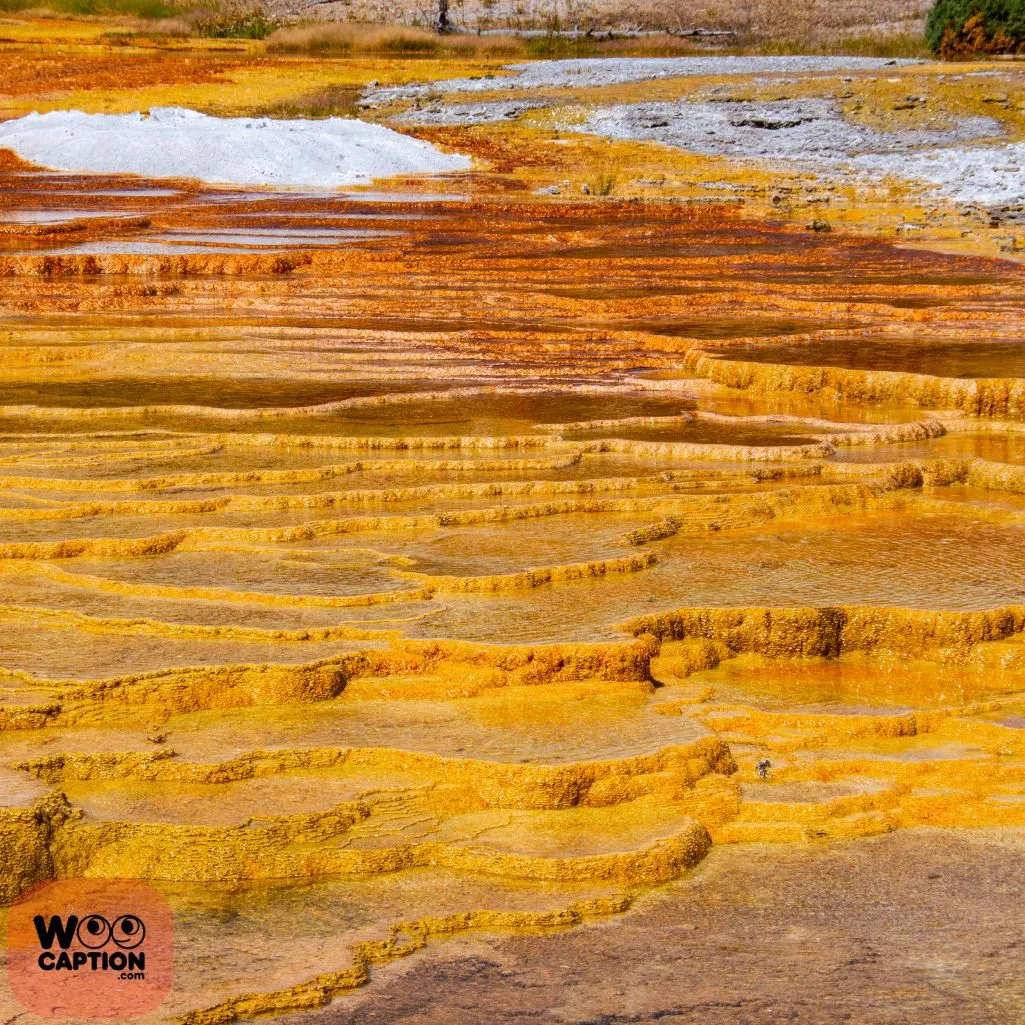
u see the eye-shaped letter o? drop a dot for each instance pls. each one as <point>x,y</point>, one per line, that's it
<point>128,931</point>
<point>93,932</point>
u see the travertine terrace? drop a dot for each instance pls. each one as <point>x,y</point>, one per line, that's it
<point>433,565</point>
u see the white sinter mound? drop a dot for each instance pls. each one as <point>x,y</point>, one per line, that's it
<point>174,143</point>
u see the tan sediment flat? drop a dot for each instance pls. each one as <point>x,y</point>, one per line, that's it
<point>872,931</point>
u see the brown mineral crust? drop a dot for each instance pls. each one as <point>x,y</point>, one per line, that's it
<point>906,928</point>
<point>25,74</point>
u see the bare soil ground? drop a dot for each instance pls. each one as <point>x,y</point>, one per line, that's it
<point>818,21</point>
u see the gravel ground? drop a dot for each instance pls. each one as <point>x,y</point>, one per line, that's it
<point>992,176</point>
<point>815,134</point>
<point>964,162</point>
<point>601,71</point>
<point>811,129</point>
<point>466,113</point>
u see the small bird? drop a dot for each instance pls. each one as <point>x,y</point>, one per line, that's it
<point>763,768</point>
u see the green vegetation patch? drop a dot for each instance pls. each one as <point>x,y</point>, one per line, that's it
<point>963,28</point>
<point>132,8</point>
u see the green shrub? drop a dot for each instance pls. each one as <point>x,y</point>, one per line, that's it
<point>961,28</point>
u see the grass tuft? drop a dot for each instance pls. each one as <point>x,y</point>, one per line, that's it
<point>339,39</point>
<point>331,101</point>
<point>888,46</point>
